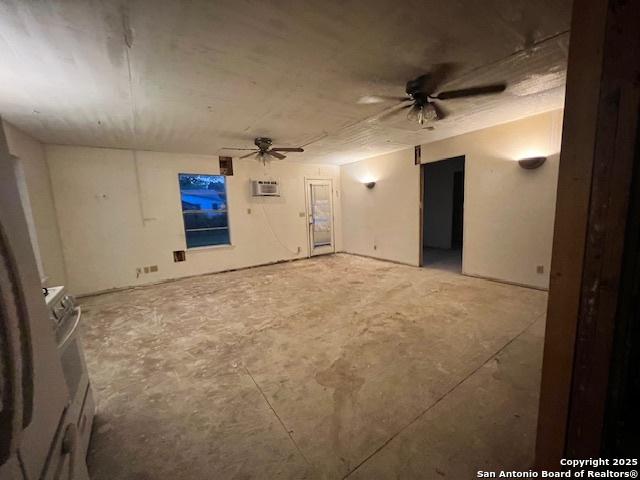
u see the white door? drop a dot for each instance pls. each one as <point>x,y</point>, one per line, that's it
<point>320,216</point>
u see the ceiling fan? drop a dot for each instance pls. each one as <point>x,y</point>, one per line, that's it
<point>265,152</point>
<point>422,100</point>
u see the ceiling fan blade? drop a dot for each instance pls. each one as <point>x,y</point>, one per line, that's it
<point>371,99</point>
<point>279,156</point>
<point>286,149</point>
<point>470,92</point>
<point>249,154</point>
<point>393,111</point>
<point>236,148</point>
<point>430,82</point>
<point>441,112</point>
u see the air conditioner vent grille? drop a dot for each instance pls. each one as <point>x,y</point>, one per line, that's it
<point>265,188</point>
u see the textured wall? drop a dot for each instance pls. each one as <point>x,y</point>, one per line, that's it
<point>30,154</point>
<point>509,212</point>
<point>119,211</point>
<point>382,222</point>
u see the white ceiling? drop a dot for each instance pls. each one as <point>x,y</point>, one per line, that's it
<point>194,76</point>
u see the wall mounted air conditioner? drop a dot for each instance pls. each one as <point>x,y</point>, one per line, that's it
<point>265,188</point>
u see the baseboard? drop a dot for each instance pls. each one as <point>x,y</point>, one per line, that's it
<point>505,282</point>
<point>473,275</point>
<point>276,262</point>
<point>175,279</point>
<point>397,262</point>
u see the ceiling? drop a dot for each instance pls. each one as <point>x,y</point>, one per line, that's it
<point>194,76</point>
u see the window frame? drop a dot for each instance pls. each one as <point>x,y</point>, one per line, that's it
<point>183,213</point>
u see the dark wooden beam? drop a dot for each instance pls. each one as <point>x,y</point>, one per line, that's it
<point>596,165</point>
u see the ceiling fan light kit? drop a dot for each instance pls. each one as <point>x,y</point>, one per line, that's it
<point>264,151</point>
<point>423,102</point>
<point>423,114</point>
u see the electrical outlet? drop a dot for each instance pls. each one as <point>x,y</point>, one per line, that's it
<point>375,247</point>
<point>248,211</point>
<point>302,214</point>
<point>146,269</point>
<point>540,269</point>
<point>153,268</point>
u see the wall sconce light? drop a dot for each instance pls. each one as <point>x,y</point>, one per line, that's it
<point>370,185</point>
<point>531,163</point>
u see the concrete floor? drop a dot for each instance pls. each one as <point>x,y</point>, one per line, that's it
<point>334,367</point>
<point>442,259</point>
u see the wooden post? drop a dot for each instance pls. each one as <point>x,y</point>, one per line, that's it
<point>599,144</point>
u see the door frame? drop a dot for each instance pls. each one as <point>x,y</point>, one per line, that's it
<point>422,173</point>
<point>421,212</point>
<point>327,250</point>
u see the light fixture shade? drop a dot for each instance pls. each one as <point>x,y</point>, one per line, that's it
<point>422,113</point>
<point>531,163</point>
<point>429,112</point>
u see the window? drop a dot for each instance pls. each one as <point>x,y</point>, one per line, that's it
<point>204,209</point>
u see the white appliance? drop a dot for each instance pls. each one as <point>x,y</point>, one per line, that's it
<point>39,437</point>
<point>265,188</point>
<point>65,317</point>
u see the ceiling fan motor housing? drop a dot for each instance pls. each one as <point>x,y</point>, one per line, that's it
<point>415,89</point>
<point>263,143</point>
<point>416,85</point>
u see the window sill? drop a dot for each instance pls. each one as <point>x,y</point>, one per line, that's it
<point>210,247</point>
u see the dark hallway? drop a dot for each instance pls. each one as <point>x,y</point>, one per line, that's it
<point>443,214</point>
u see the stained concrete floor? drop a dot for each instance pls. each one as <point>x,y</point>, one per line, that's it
<point>333,367</point>
<point>442,259</point>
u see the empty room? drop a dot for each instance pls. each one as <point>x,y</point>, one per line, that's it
<point>314,240</point>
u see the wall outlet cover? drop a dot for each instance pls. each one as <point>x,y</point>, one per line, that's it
<point>540,269</point>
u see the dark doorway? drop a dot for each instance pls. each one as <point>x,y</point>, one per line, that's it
<point>443,214</point>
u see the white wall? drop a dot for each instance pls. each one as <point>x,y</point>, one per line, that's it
<point>116,213</point>
<point>382,222</point>
<point>31,157</point>
<point>509,212</point>
<point>119,210</point>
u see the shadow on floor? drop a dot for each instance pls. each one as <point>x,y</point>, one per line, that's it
<point>442,259</point>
